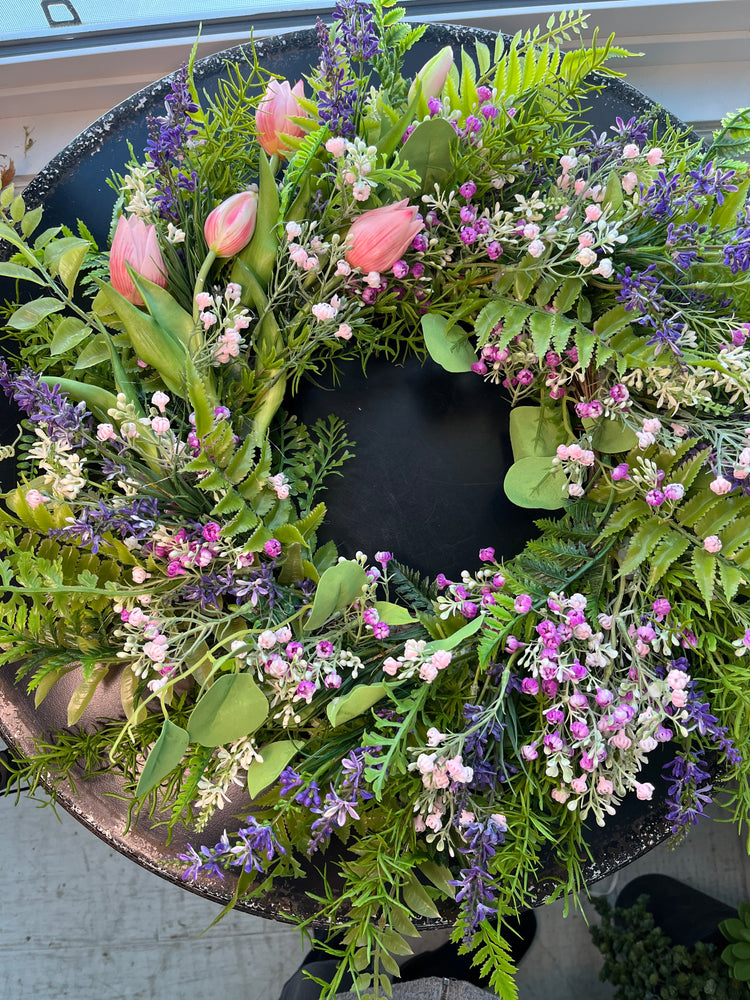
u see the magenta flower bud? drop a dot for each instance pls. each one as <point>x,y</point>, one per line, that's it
<point>231,224</point>
<point>378,237</point>
<point>135,243</point>
<point>433,74</point>
<point>273,119</point>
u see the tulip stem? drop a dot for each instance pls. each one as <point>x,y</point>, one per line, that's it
<point>201,280</point>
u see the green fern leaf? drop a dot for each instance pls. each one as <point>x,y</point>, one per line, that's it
<point>667,552</point>
<point>643,543</point>
<point>704,568</point>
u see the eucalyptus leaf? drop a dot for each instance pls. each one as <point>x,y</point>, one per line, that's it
<point>450,348</point>
<point>532,483</point>
<point>428,151</point>
<point>337,588</point>
<point>275,756</point>
<point>536,431</point>
<point>354,703</point>
<point>232,708</point>
<point>165,755</point>
<point>609,436</point>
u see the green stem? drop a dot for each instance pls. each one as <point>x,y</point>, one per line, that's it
<point>201,280</point>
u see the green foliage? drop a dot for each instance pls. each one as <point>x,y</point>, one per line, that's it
<point>737,953</point>
<point>641,961</point>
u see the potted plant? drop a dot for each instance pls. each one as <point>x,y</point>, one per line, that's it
<point>664,939</point>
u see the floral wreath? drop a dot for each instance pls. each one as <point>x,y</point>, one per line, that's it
<point>163,527</point>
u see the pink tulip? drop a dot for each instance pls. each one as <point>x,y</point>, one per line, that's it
<point>273,119</point>
<point>135,243</point>
<point>229,227</point>
<point>378,238</point>
<point>433,74</point>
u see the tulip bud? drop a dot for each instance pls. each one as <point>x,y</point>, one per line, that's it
<point>273,119</point>
<point>229,227</point>
<point>378,238</point>
<point>135,243</point>
<point>433,74</point>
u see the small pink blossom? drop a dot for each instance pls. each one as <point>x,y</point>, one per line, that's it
<point>629,182</point>
<point>391,666</point>
<point>605,268</point>
<point>434,736</point>
<point>593,213</point>
<point>203,300</point>
<point>712,544</point>
<point>536,248</point>
<point>344,331</point>
<point>160,401</point>
<point>160,425</point>
<point>35,499</point>
<point>336,146</point>
<point>428,672</point>
<point>139,574</point>
<point>586,257</point>
<point>560,795</point>
<point>654,156</point>
<point>441,658</point>
<point>644,791</point>
<point>267,639</point>
<point>720,486</point>
<point>630,151</point>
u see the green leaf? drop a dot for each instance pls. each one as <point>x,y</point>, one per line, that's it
<point>275,756</point>
<point>393,614</point>
<point>94,353</point>
<point>17,271</point>
<point>337,588</point>
<point>168,314</point>
<point>536,431</point>
<point>70,264</point>
<point>165,755</point>
<point>47,682</point>
<point>83,694</point>
<point>666,553</point>
<point>440,876</point>
<point>731,578</point>
<point>68,334</point>
<point>643,542</point>
<point>532,483</point>
<point>31,314</point>
<point>455,638</point>
<point>450,348</point>
<point>734,929</point>
<point>151,343</point>
<point>355,703</point>
<point>611,321</point>
<point>609,436</point>
<point>31,220</point>
<point>704,568</point>
<point>416,898</point>
<point>428,151</point>
<point>232,708</point>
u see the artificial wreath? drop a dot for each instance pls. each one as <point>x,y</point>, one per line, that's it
<point>163,527</point>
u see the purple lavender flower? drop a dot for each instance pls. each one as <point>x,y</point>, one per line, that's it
<point>355,23</point>
<point>168,139</point>
<point>46,405</point>
<point>336,104</point>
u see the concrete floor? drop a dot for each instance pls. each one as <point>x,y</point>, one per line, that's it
<point>78,920</point>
